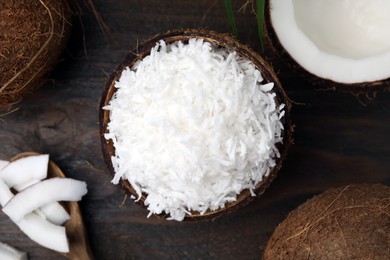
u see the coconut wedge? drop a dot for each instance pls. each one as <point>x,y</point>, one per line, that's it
<point>5,193</point>
<point>44,233</point>
<point>70,240</point>
<point>37,227</point>
<point>3,164</point>
<point>25,169</point>
<point>75,230</point>
<point>25,185</point>
<point>9,253</point>
<point>55,213</point>
<point>42,193</point>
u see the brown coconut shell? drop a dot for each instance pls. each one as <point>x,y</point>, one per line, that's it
<point>224,41</point>
<point>32,37</point>
<point>351,222</point>
<point>365,88</point>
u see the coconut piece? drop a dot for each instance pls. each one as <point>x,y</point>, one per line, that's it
<point>340,43</point>
<point>7,252</point>
<point>25,169</point>
<point>5,193</point>
<point>3,163</point>
<point>42,193</point>
<point>40,213</point>
<point>78,245</point>
<point>351,222</point>
<point>55,213</point>
<point>25,185</point>
<point>37,227</point>
<point>44,233</point>
<point>33,35</point>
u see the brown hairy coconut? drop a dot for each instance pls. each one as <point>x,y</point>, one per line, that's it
<point>32,37</point>
<point>351,222</point>
<point>220,40</point>
<point>336,45</point>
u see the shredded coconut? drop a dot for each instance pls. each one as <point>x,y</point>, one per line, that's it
<point>192,127</point>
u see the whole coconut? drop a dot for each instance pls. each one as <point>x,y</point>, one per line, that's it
<point>351,222</point>
<point>32,37</point>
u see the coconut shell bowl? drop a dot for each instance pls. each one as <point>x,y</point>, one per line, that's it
<point>222,41</point>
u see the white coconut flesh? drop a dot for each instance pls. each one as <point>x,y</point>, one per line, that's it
<point>341,40</point>
<point>42,193</point>
<point>36,226</point>
<point>3,163</point>
<point>5,193</point>
<point>15,175</point>
<point>44,233</point>
<point>35,208</point>
<point>53,212</point>
<point>24,170</point>
<point>23,186</point>
<point>9,253</point>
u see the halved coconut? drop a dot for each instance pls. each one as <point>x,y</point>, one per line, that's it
<point>343,44</point>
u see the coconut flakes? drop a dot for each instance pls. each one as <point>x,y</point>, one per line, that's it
<point>193,127</point>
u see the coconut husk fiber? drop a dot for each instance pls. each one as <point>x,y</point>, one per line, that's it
<point>351,222</point>
<point>32,37</point>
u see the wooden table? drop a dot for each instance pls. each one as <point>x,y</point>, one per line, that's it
<point>339,139</point>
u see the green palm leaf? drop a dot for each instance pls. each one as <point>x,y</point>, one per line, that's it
<point>260,6</point>
<point>230,16</point>
<point>260,20</point>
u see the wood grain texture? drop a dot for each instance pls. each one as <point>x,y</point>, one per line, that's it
<point>337,141</point>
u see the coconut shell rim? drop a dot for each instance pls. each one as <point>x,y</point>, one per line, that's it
<point>223,40</point>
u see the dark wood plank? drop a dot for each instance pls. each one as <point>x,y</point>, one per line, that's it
<point>337,141</point>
